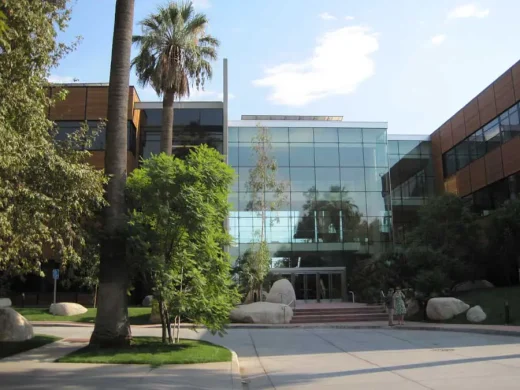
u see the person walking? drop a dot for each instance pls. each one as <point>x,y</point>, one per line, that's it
<point>389,303</point>
<point>399,305</point>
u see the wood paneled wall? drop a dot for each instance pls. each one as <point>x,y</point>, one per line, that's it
<point>495,165</point>
<point>85,102</point>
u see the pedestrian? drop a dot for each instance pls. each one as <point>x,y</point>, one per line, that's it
<point>399,305</point>
<point>389,303</point>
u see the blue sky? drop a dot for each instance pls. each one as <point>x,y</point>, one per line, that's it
<point>412,63</point>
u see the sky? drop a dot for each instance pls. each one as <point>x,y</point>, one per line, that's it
<point>411,63</point>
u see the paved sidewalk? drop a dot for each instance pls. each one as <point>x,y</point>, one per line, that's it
<point>35,369</point>
<point>472,328</point>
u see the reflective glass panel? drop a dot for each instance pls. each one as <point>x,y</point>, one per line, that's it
<point>409,147</point>
<point>393,147</point>
<point>279,134</point>
<point>280,152</point>
<point>233,134</point>
<point>354,203</point>
<point>302,179</point>
<point>353,179</point>
<point>302,155</point>
<point>325,134</point>
<point>246,134</point>
<point>351,155</point>
<point>374,136</point>
<point>326,155</point>
<point>301,134</point>
<point>374,178</point>
<point>246,155</point>
<point>233,154</point>
<point>327,179</point>
<point>375,155</point>
<point>375,204</point>
<point>349,135</point>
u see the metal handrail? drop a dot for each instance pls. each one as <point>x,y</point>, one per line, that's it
<point>353,296</point>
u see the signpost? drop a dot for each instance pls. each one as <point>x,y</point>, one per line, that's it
<point>55,276</point>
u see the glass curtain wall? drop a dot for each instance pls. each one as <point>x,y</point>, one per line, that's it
<point>337,198</point>
<point>412,181</point>
<point>191,127</point>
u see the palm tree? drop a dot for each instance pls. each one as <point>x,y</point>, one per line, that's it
<point>175,52</point>
<point>112,325</point>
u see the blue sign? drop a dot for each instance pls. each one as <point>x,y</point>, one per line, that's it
<point>55,274</point>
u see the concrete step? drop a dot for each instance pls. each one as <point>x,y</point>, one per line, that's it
<point>368,310</point>
<point>320,318</point>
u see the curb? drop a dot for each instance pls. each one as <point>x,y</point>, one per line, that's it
<point>236,378</point>
<point>475,330</point>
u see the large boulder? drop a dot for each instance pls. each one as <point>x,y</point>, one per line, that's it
<point>412,307</point>
<point>282,292</point>
<point>442,309</point>
<point>14,326</point>
<point>262,313</point>
<point>67,309</point>
<point>473,285</point>
<point>147,301</point>
<point>5,302</point>
<point>476,315</point>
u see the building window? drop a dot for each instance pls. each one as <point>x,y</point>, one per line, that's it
<point>500,130</point>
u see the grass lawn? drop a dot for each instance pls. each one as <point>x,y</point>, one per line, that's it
<point>9,348</point>
<point>150,350</point>
<point>138,315</point>
<point>492,302</point>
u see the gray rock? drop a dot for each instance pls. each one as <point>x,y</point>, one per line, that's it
<point>5,302</point>
<point>442,309</point>
<point>14,326</point>
<point>67,309</point>
<point>473,285</point>
<point>413,307</point>
<point>147,301</point>
<point>476,315</point>
<point>262,313</point>
<point>282,292</point>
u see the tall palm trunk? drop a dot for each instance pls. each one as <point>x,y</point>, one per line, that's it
<point>112,326</point>
<point>167,123</point>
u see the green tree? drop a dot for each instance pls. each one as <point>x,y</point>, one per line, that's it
<point>47,188</point>
<point>179,207</point>
<point>112,324</point>
<point>267,195</point>
<point>502,232</point>
<point>447,226</point>
<point>174,53</point>
<point>329,216</point>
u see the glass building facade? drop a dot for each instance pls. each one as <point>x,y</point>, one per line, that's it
<point>412,180</point>
<point>338,204</point>
<point>191,127</point>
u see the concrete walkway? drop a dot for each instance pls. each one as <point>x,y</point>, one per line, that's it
<point>301,358</point>
<point>35,369</point>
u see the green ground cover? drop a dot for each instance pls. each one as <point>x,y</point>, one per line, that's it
<point>150,350</point>
<point>138,315</point>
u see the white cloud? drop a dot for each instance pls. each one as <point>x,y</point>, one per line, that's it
<point>468,11</point>
<point>201,4</point>
<point>438,39</point>
<point>54,78</point>
<point>340,62</point>
<point>327,16</point>
<point>349,17</point>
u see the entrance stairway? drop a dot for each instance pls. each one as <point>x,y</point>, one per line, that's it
<point>361,313</point>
